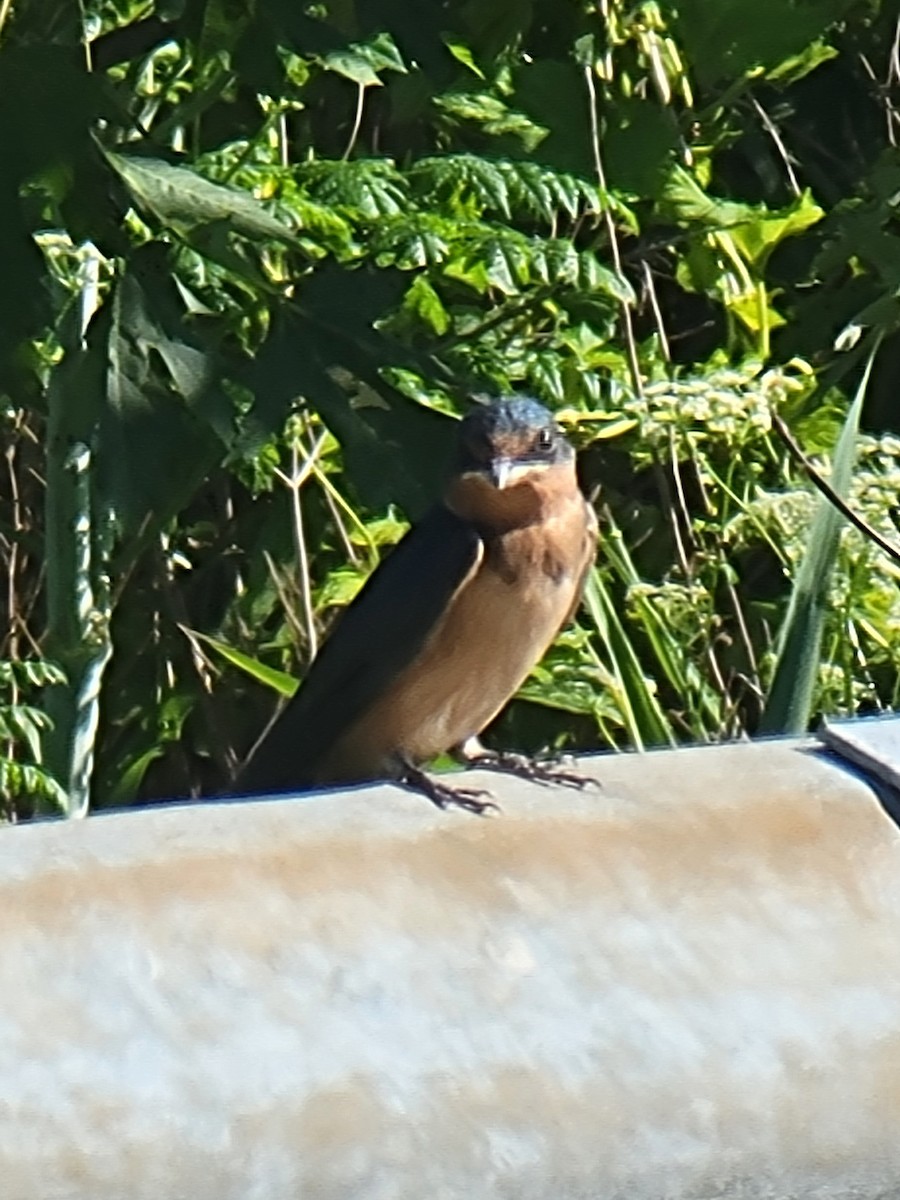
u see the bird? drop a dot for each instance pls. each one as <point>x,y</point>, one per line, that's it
<point>449,625</point>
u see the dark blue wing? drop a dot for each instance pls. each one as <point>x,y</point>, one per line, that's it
<point>378,635</point>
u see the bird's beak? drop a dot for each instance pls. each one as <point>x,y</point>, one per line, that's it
<point>499,472</point>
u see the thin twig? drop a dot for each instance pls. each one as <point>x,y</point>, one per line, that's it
<point>772,130</point>
<point>13,563</point>
<point>883,544</point>
<point>746,640</point>
<point>349,548</point>
<point>298,476</point>
<point>286,601</point>
<point>354,134</point>
<point>657,312</point>
<point>283,150</point>
<point>683,511</point>
<point>634,365</point>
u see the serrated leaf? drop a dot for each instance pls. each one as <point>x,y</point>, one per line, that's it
<point>369,188</point>
<point>470,270</point>
<point>563,263</point>
<point>538,191</point>
<point>409,243</point>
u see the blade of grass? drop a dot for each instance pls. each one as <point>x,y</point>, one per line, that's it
<point>642,715</point>
<point>679,669</point>
<point>789,703</point>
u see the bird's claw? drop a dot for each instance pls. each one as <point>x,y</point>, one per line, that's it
<point>445,796</point>
<point>539,771</point>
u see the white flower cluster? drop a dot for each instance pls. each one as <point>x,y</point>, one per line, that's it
<point>730,406</point>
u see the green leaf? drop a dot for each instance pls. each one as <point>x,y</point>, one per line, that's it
<point>684,200</point>
<point>165,419</point>
<point>797,66</point>
<point>495,117</point>
<point>594,277</point>
<point>635,697</point>
<point>463,55</point>
<point>382,53</point>
<point>278,681</point>
<point>758,237</point>
<point>361,61</point>
<point>35,672</point>
<point>25,780</point>
<point>364,188</point>
<point>734,38</point>
<point>411,241</point>
<point>353,66</point>
<point>789,702</point>
<point>180,197</point>
<point>422,301</point>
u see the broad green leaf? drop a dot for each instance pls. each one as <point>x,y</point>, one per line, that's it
<point>683,199</point>
<point>165,419</point>
<point>353,66</point>
<point>362,61</point>
<point>382,53</point>
<point>179,196</point>
<point>758,237</point>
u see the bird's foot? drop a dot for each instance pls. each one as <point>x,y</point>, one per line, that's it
<point>445,796</point>
<point>542,771</point>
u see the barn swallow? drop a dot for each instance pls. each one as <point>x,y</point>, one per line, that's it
<point>450,624</point>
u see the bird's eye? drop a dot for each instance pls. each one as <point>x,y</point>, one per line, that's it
<point>546,439</point>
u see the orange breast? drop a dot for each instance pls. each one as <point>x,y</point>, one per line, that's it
<point>497,626</point>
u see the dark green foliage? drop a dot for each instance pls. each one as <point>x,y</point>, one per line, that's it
<point>257,257</point>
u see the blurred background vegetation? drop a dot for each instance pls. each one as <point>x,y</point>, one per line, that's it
<point>257,256</point>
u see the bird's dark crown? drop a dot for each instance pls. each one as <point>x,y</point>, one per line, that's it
<point>517,429</point>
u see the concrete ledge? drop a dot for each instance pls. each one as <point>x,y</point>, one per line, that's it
<point>685,984</point>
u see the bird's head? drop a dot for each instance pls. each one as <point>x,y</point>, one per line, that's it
<point>510,452</point>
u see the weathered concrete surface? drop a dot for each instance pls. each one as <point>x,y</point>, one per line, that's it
<point>684,985</point>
